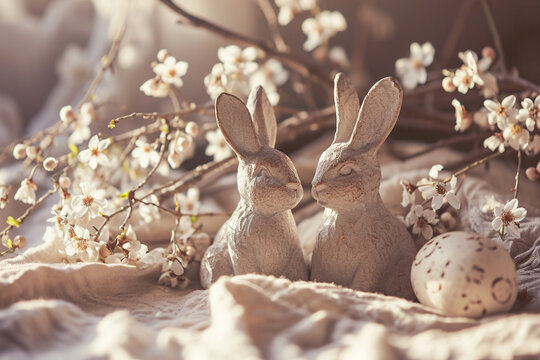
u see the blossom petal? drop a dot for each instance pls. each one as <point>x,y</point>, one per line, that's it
<point>496,223</point>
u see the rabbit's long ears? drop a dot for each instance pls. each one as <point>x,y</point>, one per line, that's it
<point>234,121</point>
<point>378,115</point>
<point>263,116</point>
<point>347,108</point>
<point>365,128</point>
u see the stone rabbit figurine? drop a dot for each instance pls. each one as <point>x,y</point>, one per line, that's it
<point>360,244</point>
<point>260,236</point>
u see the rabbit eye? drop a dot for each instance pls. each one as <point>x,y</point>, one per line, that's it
<point>263,172</point>
<point>346,170</point>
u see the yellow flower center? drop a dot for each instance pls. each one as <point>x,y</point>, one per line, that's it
<point>94,152</point>
<point>516,129</point>
<point>466,80</point>
<point>507,217</point>
<point>87,200</point>
<point>501,110</point>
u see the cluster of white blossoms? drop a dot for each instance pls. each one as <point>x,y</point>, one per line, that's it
<point>79,121</point>
<point>518,128</point>
<point>322,27</point>
<point>239,71</point>
<point>439,194</point>
<point>288,9</point>
<point>319,28</point>
<point>473,73</point>
<point>412,70</point>
<point>168,72</point>
<point>510,127</point>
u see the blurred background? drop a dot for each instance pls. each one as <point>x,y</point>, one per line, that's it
<point>50,49</point>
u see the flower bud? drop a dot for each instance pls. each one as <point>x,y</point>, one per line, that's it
<point>31,152</point>
<point>67,114</point>
<point>532,174</point>
<point>489,52</point>
<point>64,182</point>
<point>448,85</point>
<point>19,242</point>
<point>162,55</point>
<point>19,151</point>
<point>192,129</point>
<point>50,163</point>
<point>88,109</point>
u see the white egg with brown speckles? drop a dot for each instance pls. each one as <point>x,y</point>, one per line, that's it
<point>464,274</point>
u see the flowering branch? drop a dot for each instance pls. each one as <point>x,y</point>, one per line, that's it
<point>305,67</point>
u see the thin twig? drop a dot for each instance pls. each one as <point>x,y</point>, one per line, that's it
<point>444,142</point>
<point>494,33</point>
<point>516,186</point>
<point>273,26</point>
<point>106,63</point>
<point>31,209</point>
<point>457,30</point>
<point>299,64</point>
<point>474,164</point>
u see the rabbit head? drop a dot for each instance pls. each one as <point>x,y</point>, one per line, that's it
<point>348,174</point>
<point>267,179</point>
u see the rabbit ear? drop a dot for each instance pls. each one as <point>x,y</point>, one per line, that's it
<point>263,116</point>
<point>378,115</point>
<point>235,123</point>
<point>347,107</point>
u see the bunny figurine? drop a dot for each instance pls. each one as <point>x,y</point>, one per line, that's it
<point>360,244</point>
<point>260,236</point>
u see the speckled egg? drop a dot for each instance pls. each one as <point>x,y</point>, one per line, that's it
<point>464,274</point>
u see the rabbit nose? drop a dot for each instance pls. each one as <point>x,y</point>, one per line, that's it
<point>319,187</point>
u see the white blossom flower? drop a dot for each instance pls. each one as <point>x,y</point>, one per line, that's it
<point>90,203</point>
<point>495,142</point>
<point>421,220</point>
<point>434,171</point>
<point>155,87</point>
<point>189,202</point>
<point>217,146</point>
<point>289,8</point>
<point>144,153</point>
<point>234,55</point>
<point>270,75</point>
<point>215,81</point>
<point>412,70</point>
<point>19,151</point>
<point>50,163</point>
<point>499,113</point>
<point>27,192</point>
<point>439,191</point>
<point>80,129</point>
<point>407,196</point>
<point>530,113</point>
<point>67,114</point>
<point>95,155</point>
<point>507,218</point>
<point>468,75</point>
<point>322,27</point>
<point>171,71</point>
<point>464,119</point>
<point>180,148</point>
<point>4,196</point>
<point>79,246</point>
<point>516,135</point>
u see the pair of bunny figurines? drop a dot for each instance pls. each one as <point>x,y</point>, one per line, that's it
<point>360,243</point>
